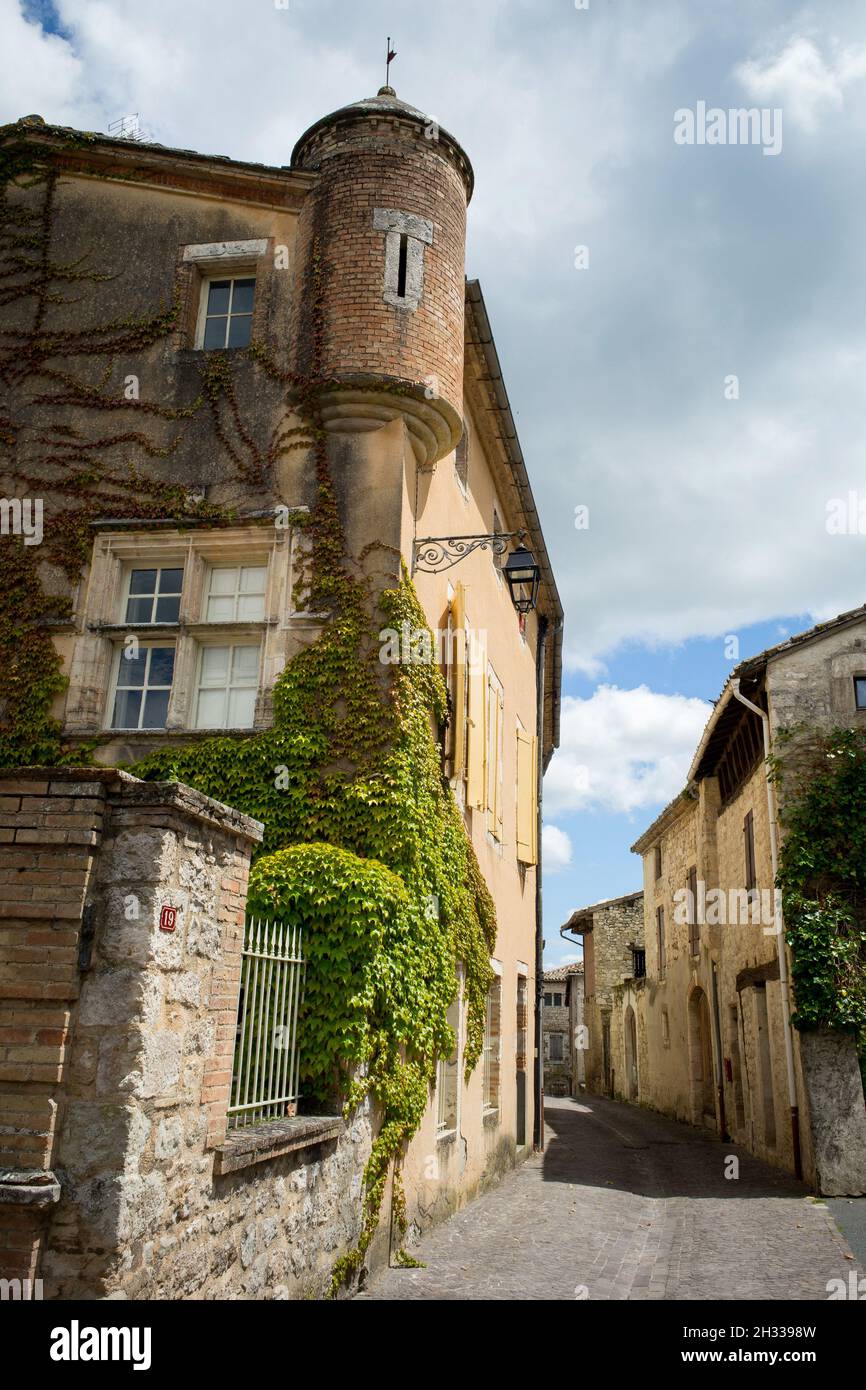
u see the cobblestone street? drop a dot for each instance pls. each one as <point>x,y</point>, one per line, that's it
<point>626,1204</point>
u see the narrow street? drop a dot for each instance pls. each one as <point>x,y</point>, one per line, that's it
<point>626,1204</point>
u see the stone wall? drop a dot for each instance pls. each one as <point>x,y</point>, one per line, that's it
<point>119,1177</point>
<point>610,930</point>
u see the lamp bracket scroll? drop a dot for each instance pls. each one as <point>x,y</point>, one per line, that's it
<point>432,554</point>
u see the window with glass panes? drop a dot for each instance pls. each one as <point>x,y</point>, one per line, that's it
<point>228,313</point>
<point>860,691</point>
<point>236,593</point>
<point>227,685</point>
<point>447,1075</point>
<point>491,1046</point>
<point>153,596</point>
<point>142,688</point>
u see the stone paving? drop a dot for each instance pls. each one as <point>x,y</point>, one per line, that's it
<point>626,1204</point>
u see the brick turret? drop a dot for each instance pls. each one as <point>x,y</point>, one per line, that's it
<point>381,247</point>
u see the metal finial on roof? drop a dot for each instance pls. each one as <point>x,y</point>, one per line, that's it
<point>390,55</point>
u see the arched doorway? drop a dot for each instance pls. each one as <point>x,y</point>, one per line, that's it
<point>701,1060</point>
<point>631,1077</point>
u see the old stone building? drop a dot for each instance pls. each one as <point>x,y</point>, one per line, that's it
<point>563,1030</point>
<point>714,1041</point>
<point>246,405</point>
<point>613,952</point>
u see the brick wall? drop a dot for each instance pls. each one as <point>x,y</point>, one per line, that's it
<point>379,161</point>
<point>119,1178</point>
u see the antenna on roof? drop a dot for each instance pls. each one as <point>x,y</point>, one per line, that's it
<point>127,128</point>
<point>391,54</point>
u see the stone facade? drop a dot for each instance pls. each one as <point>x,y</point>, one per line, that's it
<point>120,1178</point>
<point>562,1030</point>
<point>612,933</point>
<point>407,374</point>
<point>711,1016</point>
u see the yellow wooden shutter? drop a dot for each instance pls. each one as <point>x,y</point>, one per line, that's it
<point>495,720</point>
<point>476,769</point>
<point>458,655</point>
<point>499,760</point>
<point>527,772</point>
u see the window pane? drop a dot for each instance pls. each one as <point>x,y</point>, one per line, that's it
<point>167,610</point>
<point>170,581</point>
<point>155,709</point>
<point>240,330</point>
<point>161,666</point>
<point>242,706</point>
<point>142,582</point>
<point>220,610</point>
<point>218,297</point>
<point>860,687</point>
<point>140,610</point>
<point>214,665</point>
<point>223,580</point>
<point>215,333</point>
<point>131,669</point>
<point>253,579</point>
<point>242,299</point>
<point>211,709</point>
<point>245,664</point>
<point>251,606</point>
<point>127,704</point>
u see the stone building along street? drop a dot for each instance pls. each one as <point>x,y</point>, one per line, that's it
<point>432,673</point>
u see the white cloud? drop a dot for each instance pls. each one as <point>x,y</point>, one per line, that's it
<point>556,849</point>
<point>623,749</point>
<point>35,64</point>
<point>706,514</point>
<point>802,80</point>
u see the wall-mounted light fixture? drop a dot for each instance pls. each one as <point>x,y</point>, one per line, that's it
<point>432,554</point>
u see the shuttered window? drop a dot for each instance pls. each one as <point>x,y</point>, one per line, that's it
<point>527,789</point>
<point>495,720</point>
<point>476,731</point>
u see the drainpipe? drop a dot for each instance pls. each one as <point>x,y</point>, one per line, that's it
<point>538,1113</point>
<point>720,1089</point>
<point>784,987</point>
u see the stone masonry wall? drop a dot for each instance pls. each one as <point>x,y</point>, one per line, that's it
<point>119,1178</point>
<point>614,929</point>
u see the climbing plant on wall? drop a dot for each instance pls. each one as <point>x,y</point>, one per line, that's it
<point>71,437</point>
<point>363,841</point>
<point>822,874</point>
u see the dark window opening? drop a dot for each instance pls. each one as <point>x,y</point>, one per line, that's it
<point>401,265</point>
<point>694,925</point>
<point>749,846</point>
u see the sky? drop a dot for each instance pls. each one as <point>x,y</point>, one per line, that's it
<point>681,325</point>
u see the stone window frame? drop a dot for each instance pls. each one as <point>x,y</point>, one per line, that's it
<point>491,1079</point>
<point>461,460</point>
<point>447,1135</point>
<point>101,629</point>
<point>199,263</point>
<point>406,235</point>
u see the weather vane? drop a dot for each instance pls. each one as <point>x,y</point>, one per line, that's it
<point>391,54</point>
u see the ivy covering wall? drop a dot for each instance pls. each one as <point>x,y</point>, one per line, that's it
<point>364,843</point>
<point>822,874</point>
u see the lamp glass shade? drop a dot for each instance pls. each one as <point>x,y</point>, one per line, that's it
<point>523,576</point>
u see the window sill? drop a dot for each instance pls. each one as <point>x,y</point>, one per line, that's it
<point>241,1148</point>
<point>448,1136</point>
<point>491,1119</point>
